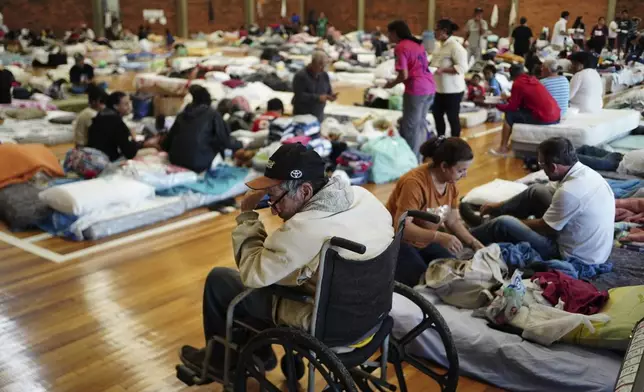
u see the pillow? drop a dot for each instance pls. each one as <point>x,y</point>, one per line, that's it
<point>83,197</point>
<point>625,307</point>
<point>20,206</point>
<point>68,119</point>
<point>496,191</point>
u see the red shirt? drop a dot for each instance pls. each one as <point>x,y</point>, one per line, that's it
<point>263,121</point>
<point>529,94</point>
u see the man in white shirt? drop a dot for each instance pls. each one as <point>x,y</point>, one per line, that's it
<point>574,215</point>
<point>586,87</point>
<point>559,32</point>
<point>475,28</point>
<point>613,28</point>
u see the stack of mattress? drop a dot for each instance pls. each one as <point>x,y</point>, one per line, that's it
<point>583,128</point>
<point>39,131</point>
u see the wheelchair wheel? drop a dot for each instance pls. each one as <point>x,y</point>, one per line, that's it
<point>298,346</point>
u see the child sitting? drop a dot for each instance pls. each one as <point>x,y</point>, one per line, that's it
<point>274,109</point>
<point>475,91</point>
<point>493,86</point>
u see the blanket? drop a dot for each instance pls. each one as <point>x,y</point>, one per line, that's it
<point>215,181</point>
<point>629,210</point>
<point>623,189</point>
<point>522,255</point>
<point>19,163</point>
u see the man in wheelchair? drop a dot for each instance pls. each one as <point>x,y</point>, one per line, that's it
<point>314,209</point>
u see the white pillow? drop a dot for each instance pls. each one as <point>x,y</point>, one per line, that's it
<point>83,197</point>
<point>496,191</point>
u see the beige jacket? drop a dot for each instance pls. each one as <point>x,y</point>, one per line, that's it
<point>290,255</point>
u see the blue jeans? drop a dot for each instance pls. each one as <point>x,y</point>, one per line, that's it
<point>598,158</point>
<point>508,227</point>
<point>413,262</point>
<point>81,89</point>
<point>415,109</point>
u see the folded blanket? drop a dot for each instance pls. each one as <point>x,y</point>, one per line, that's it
<point>623,189</point>
<point>215,182</point>
<point>20,162</point>
<point>629,210</point>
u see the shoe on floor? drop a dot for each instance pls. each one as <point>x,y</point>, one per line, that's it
<point>497,153</point>
<point>194,358</point>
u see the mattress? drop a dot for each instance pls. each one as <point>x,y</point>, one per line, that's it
<point>473,119</point>
<point>583,128</point>
<point>39,131</point>
<point>617,81</point>
<point>507,360</point>
<point>157,210</point>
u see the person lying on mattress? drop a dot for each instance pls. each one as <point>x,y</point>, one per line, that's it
<point>432,187</point>
<point>586,86</point>
<point>572,217</point>
<point>529,103</point>
<point>198,134</point>
<point>97,98</point>
<point>313,209</point>
<point>109,134</point>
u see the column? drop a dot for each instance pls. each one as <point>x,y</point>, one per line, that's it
<point>361,15</point>
<point>98,18</point>
<point>610,15</point>
<point>431,14</point>
<point>182,18</point>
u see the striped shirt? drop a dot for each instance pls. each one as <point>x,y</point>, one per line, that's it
<point>559,88</point>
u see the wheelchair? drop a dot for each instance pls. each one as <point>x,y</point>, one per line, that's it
<point>351,304</point>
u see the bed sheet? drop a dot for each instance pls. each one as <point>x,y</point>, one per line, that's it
<point>39,131</point>
<point>618,81</point>
<point>507,360</point>
<point>584,128</point>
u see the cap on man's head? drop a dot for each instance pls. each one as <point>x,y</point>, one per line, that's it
<point>478,10</point>
<point>290,162</point>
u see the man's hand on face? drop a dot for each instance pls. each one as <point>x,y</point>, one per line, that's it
<point>251,199</point>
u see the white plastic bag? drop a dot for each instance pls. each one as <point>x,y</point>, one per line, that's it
<point>545,325</point>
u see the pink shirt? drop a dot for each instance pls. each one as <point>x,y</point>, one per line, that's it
<point>412,57</point>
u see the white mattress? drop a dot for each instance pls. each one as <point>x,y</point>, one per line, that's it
<point>504,359</point>
<point>39,131</point>
<point>472,119</point>
<point>583,128</point>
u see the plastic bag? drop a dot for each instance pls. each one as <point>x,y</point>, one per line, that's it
<point>392,158</point>
<point>545,325</point>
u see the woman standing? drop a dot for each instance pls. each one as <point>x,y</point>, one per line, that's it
<point>579,34</point>
<point>323,21</point>
<point>451,65</point>
<point>413,71</point>
<point>598,36</point>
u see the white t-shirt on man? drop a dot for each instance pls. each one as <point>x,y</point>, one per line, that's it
<point>558,38</point>
<point>612,29</point>
<point>587,91</point>
<point>583,212</point>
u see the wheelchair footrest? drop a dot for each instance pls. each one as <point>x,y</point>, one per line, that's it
<point>186,375</point>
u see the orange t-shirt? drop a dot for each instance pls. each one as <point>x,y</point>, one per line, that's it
<point>416,191</point>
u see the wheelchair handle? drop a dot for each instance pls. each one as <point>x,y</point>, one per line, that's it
<point>426,216</point>
<point>348,245</point>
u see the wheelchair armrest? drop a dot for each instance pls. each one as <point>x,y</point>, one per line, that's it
<point>290,293</point>
<point>424,215</point>
<point>348,245</point>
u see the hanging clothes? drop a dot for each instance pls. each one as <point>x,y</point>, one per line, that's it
<point>283,9</point>
<point>494,19</point>
<point>513,14</point>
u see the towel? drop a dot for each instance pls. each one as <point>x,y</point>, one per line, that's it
<point>20,162</point>
<point>494,19</point>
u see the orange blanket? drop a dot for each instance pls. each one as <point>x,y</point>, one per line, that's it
<point>20,162</point>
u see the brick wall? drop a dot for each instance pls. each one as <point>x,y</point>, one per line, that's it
<point>36,15</point>
<point>343,14</point>
<point>379,13</point>
<point>132,14</point>
<point>634,7</point>
<point>271,11</point>
<point>545,13</point>
<point>229,15</point>
<point>461,11</point>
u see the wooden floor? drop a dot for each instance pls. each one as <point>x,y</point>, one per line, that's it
<point>114,321</point>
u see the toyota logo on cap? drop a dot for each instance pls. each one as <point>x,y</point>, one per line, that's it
<point>296,174</point>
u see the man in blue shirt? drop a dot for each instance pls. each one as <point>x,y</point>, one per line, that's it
<point>556,84</point>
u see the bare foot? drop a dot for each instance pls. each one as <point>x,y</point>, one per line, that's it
<point>486,209</point>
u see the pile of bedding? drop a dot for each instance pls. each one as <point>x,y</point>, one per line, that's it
<point>40,131</point>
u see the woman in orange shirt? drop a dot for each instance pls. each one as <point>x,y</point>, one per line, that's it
<point>432,187</point>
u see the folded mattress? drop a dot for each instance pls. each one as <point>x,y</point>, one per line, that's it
<point>505,360</point>
<point>473,119</point>
<point>582,128</point>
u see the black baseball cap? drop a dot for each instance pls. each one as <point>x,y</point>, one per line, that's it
<point>290,162</point>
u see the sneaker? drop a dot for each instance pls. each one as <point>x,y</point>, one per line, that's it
<point>194,358</point>
<point>498,153</point>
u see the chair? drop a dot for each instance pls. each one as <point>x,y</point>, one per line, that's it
<point>351,304</point>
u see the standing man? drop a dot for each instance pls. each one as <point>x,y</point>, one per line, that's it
<point>613,28</point>
<point>624,27</point>
<point>522,38</point>
<point>475,28</point>
<point>559,32</point>
<point>312,88</point>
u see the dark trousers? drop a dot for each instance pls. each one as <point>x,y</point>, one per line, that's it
<point>413,262</point>
<point>450,105</point>
<point>599,159</point>
<point>222,286</point>
<point>508,227</point>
